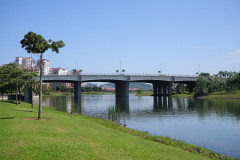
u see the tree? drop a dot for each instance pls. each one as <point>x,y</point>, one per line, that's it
<point>36,44</point>
<point>117,71</point>
<point>123,71</point>
<point>13,77</point>
<point>74,71</point>
<point>80,71</point>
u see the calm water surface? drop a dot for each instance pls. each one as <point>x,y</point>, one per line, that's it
<point>213,123</point>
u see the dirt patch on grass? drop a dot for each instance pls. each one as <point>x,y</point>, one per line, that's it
<point>30,118</point>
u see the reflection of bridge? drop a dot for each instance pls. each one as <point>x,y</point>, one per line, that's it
<point>162,85</point>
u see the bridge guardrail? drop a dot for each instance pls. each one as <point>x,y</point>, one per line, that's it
<point>126,74</point>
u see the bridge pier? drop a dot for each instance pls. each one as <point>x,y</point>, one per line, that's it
<point>155,89</point>
<point>77,89</point>
<point>160,86</point>
<point>170,91</point>
<point>165,89</point>
<point>27,94</point>
<point>122,88</point>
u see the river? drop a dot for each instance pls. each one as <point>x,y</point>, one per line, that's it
<point>210,123</point>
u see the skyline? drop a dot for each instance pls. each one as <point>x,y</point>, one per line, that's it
<point>141,35</point>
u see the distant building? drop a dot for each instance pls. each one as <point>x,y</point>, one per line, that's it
<point>58,71</point>
<point>19,60</point>
<point>91,85</point>
<point>27,62</point>
<point>45,64</point>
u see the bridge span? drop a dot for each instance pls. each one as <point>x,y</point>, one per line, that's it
<point>162,84</point>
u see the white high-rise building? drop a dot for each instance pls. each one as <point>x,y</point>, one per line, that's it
<point>19,60</point>
<point>45,64</point>
<point>28,62</point>
<point>58,71</point>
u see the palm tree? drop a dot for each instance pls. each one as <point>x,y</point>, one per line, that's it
<point>123,71</point>
<point>117,71</point>
<point>80,71</point>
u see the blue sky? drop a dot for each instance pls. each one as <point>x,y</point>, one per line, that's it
<point>142,34</point>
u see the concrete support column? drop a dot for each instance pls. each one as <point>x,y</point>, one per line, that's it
<point>164,89</point>
<point>159,89</point>
<point>170,91</point>
<point>122,89</point>
<point>154,89</point>
<point>77,89</point>
<point>27,94</point>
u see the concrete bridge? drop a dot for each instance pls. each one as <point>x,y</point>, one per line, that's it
<point>162,84</point>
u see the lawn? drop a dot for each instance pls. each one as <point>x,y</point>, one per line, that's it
<point>62,136</point>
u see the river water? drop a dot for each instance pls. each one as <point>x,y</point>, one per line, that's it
<point>210,123</point>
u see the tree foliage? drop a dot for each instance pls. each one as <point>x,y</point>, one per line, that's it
<point>13,78</point>
<point>223,81</point>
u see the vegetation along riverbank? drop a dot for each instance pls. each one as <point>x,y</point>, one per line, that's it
<point>60,135</point>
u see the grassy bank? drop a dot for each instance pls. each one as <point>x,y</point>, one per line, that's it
<point>223,95</point>
<point>83,93</point>
<point>62,136</point>
<point>144,94</point>
<point>184,95</point>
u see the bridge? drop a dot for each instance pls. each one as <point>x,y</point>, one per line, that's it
<point>162,84</point>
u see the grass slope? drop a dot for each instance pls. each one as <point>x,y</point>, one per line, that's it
<point>78,137</point>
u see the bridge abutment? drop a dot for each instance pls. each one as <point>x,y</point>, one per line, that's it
<point>122,89</point>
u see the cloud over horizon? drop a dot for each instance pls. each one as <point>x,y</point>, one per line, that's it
<point>234,53</point>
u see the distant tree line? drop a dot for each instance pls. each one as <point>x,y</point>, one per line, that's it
<point>83,89</point>
<point>223,81</point>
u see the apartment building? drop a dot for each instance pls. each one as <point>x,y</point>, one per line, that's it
<point>45,64</point>
<point>27,62</point>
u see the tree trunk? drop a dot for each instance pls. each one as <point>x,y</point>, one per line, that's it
<point>19,98</point>
<point>40,91</point>
<point>17,95</point>
<point>32,81</point>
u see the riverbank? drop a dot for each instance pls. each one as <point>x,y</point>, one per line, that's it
<point>215,95</point>
<point>62,136</point>
<point>144,94</point>
<point>223,95</point>
<point>184,95</point>
<point>83,93</point>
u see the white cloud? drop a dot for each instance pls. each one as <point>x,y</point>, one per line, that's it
<point>236,60</point>
<point>237,52</point>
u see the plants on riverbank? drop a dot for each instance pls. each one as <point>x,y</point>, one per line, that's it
<point>207,84</point>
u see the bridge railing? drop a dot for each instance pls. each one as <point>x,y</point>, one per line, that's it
<point>127,74</point>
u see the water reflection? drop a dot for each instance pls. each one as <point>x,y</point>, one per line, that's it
<point>202,107</point>
<point>123,104</point>
<point>162,104</point>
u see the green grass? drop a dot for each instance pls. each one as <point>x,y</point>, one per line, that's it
<point>83,93</point>
<point>97,93</point>
<point>63,136</point>
<point>184,95</point>
<point>144,94</point>
<point>223,95</point>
